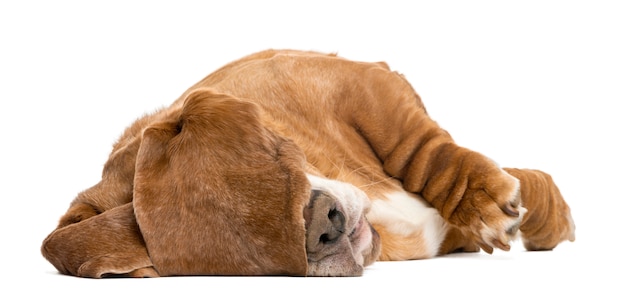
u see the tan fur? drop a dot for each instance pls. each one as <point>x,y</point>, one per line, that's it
<point>355,122</point>
<point>215,174</point>
<point>117,249</point>
<point>549,220</point>
<point>187,153</point>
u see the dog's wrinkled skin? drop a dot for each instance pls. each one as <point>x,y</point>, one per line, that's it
<point>297,163</point>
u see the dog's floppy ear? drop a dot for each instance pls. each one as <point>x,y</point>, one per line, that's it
<point>217,193</point>
<point>103,245</point>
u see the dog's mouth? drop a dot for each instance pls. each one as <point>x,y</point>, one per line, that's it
<point>366,240</point>
<point>339,239</point>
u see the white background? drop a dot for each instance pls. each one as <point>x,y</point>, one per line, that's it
<point>532,84</point>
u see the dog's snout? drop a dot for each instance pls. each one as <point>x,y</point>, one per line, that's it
<point>339,240</point>
<point>325,221</point>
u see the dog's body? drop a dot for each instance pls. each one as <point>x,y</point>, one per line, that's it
<point>347,128</point>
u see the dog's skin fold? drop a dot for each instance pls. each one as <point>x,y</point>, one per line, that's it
<point>297,163</point>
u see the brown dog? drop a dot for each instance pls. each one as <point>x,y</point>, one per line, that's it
<point>284,162</point>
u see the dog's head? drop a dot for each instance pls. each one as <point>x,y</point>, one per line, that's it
<point>216,192</point>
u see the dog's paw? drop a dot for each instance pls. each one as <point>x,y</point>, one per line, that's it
<point>549,220</point>
<point>145,272</point>
<point>76,213</point>
<point>490,211</point>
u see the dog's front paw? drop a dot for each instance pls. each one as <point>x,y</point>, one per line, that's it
<point>76,213</point>
<point>484,203</point>
<point>472,193</point>
<point>491,212</point>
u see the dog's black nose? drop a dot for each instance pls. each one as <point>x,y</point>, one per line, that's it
<point>325,222</point>
<point>335,228</point>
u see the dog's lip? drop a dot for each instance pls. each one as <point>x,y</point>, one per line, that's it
<point>358,228</point>
<point>361,234</point>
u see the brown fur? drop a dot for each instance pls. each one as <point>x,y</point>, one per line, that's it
<point>117,249</point>
<point>356,122</point>
<point>229,184</point>
<point>549,220</point>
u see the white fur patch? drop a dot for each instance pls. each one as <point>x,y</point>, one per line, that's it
<point>403,214</point>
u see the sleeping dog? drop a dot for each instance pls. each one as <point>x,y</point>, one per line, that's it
<point>297,163</point>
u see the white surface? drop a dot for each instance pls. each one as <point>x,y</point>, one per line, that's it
<point>538,84</point>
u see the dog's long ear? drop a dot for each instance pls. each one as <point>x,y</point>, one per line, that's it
<point>217,193</point>
<point>103,245</point>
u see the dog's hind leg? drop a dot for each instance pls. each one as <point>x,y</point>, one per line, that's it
<point>549,220</point>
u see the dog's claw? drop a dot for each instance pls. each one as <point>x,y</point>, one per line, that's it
<point>501,245</point>
<point>488,249</point>
<point>510,210</point>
